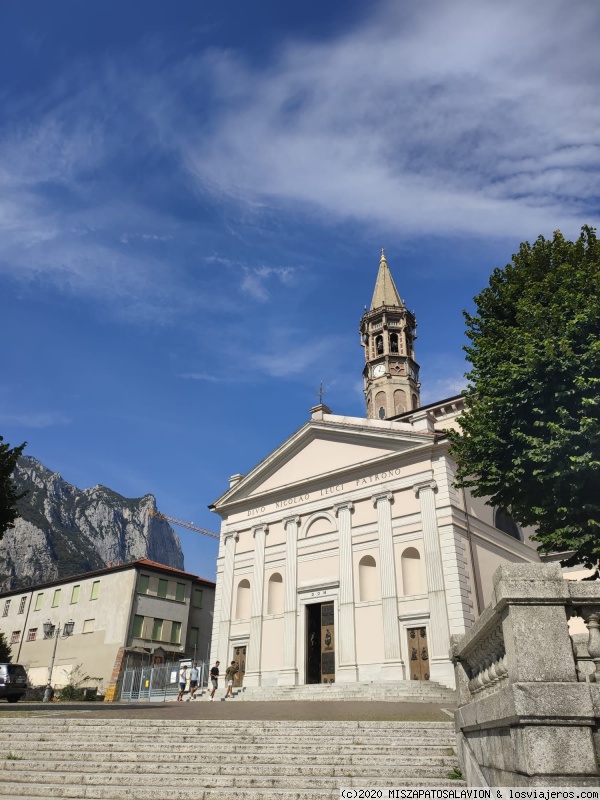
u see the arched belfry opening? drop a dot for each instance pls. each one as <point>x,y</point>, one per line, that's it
<point>387,333</point>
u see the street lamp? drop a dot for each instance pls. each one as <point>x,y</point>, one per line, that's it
<point>53,632</point>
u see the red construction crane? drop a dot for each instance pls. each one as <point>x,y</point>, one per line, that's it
<point>189,525</point>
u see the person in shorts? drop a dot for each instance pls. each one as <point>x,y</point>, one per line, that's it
<point>194,675</point>
<point>214,679</point>
<point>230,673</point>
<point>182,682</point>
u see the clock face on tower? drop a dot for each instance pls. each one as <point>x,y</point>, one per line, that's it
<point>413,374</point>
<point>378,370</point>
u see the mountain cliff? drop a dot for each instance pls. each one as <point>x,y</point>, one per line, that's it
<point>62,530</point>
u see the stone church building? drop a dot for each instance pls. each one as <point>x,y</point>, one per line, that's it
<point>347,554</point>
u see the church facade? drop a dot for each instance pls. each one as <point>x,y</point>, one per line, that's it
<point>348,554</point>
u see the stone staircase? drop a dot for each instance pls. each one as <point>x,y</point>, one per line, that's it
<point>396,691</point>
<point>137,759</point>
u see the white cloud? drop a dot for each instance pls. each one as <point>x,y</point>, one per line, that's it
<point>35,419</point>
<point>431,118</point>
<point>290,353</point>
<point>200,376</point>
<point>255,280</point>
<point>467,117</point>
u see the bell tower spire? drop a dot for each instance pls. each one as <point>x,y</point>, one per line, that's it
<point>388,331</point>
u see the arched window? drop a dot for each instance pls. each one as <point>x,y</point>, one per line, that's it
<point>243,600</point>
<point>505,523</point>
<point>379,345</point>
<point>412,574</point>
<point>399,401</point>
<point>415,402</point>
<point>393,343</point>
<point>275,594</point>
<point>367,579</point>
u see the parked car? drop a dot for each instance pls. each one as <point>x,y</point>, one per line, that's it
<point>13,682</point>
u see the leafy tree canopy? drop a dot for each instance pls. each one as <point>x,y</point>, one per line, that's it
<point>530,437</point>
<point>8,496</point>
<point>5,650</point>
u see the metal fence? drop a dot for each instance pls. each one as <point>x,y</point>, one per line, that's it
<point>157,682</point>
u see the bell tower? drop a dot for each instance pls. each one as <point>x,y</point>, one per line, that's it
<point>387,332</point>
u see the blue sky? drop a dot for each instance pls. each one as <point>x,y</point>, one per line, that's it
<point>193,198</point>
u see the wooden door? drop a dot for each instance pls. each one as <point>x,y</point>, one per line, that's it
<point>327,644</point>
<point>418,654</point>
<point>239,656</point>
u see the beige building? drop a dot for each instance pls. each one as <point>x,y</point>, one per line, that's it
<point>347,554</point>
<point>141,609</point>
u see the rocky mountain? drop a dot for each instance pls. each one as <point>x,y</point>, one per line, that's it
<point>62,530</point>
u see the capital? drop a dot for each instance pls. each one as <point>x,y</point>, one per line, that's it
<point>229,535</point>
<point>376,498</point>
<point>418,487</point>
<point>349,506</point>
<point>260,529</point>
<point>293,519</point>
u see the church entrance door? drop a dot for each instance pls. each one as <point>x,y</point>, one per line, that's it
<point>418,654</point>
<point>239,656</point>
<point>320,643</point>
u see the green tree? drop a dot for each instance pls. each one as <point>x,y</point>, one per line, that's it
<point>530,437</point>
<point>5,650</point>
<point>8,496</point>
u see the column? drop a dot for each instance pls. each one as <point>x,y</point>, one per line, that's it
<point>289,674</point>
<point>347,670</point>
<point>393,668</point>
<point>222,651</point>
<point>439,640</point>
<point>252,676</point>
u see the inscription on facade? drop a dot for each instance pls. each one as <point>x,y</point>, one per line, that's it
<point>329,490</point>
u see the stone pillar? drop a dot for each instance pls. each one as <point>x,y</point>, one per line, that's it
<point>524,719</point>
<point>347,670</point>
<point>439,631</point>
<point>289,674</point>
<point>393,668</point>
<point>252,676</point>
<point>222,653</point>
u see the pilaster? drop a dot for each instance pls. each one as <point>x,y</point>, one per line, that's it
<point>289,674</point>
<point>393,668</point>
<point>253,659</point>
<point>230,540</point>
<point>439,646</point>
<point>347,669</point>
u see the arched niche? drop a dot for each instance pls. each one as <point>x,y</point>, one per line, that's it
<point>504,522</point>
<point>380,406</point>
<point>412,572</point>
<point>368,584</point>
<point>317,524</point>
<point>399,401</point>
<point>243,600</point>
<point>275,594</point>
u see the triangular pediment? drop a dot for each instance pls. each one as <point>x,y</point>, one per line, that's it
<point>321,450</point>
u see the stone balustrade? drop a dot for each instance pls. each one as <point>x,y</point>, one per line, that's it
<point>528,699</point>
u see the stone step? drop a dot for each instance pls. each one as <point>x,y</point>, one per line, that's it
<point>269,780</point>
<point>289,736</point>
<point>71,772</point>
<point>181,760</point>
<point>137,759</point>
<point>232,750</point>
<point>174,792</point>
<point>195,726</point>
